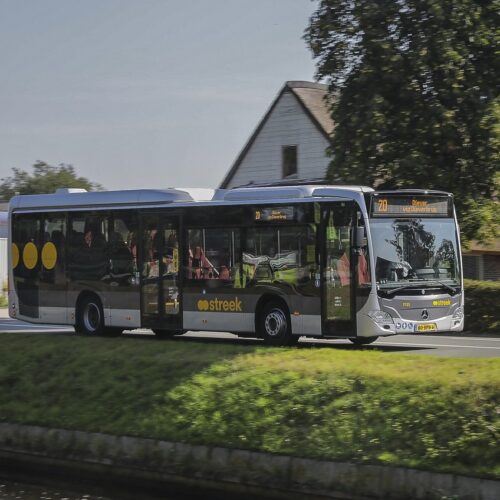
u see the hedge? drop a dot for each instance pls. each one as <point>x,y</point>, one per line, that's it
<point>482,306</point>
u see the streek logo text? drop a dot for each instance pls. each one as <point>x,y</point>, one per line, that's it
<point>220,305</point>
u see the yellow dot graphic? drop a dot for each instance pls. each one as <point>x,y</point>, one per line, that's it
<point>30,255</point>
<point>49,255</point>
<point>202,305</point>
<point>15,255</point>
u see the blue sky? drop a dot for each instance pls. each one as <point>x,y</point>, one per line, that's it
<point>144,93</point>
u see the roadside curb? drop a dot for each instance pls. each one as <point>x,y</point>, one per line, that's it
<point>232,471</point>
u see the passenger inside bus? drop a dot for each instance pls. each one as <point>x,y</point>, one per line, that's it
<point>363,269</point>
<point>200,266</point>
<point>88,259</point>
<point>151,253</point>
<point>343,268</point>
<point>168,261</point>
<point>120,257</point>
<point>170,254</point>
<point>224,273</point>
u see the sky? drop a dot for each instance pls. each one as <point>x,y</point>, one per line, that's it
<point>143,93</point>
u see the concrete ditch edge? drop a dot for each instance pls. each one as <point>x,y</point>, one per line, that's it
<point>235,470</point>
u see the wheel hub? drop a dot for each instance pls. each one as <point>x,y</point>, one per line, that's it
<point>275,323</point>
<point>91,317</point>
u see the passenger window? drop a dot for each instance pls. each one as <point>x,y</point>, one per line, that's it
<point>122,249</point>
<point>213,254</point>
<point>284,254</point>
<point>53,249</point>
<point>87,239</point>
<point>26,230</point>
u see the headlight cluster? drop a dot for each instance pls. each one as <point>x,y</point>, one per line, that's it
<point>459,313</point>
<point>381,317</point>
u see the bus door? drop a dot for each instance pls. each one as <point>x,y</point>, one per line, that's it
<point>338,314</point>
<point>27,262</point>
<point>159,258</point>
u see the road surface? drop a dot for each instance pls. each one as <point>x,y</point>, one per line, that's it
<point>439,345</point>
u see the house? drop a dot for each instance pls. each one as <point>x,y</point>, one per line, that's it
<point>289,145</point>
<point>289,142</point>
<point>482,262</point>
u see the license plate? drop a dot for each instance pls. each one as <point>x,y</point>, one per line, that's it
<point>426,327</point>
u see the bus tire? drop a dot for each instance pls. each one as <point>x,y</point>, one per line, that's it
<point>274,325</point>
<point>359,341</point>
<point>90,316</point>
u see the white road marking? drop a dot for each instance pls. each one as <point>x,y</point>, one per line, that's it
<point>434,345</point>
<point>474,339</point>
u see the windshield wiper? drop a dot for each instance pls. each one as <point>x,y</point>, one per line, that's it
<point>399,289</point>
<point>448,287</point>
<point>423,282</point>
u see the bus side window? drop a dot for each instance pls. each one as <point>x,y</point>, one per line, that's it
<point>88,247</point>
<point>122,251</point>
<point>284,254</point>
<point>213,254</point>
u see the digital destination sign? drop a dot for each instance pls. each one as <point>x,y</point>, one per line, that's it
<point>275,214</point>
<point>410,206</point>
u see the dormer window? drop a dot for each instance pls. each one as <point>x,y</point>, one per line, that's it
<point>289,160</point>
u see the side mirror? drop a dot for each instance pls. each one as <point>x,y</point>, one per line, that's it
<point>360,237</point>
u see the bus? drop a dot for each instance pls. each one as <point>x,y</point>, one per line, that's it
<point>275,262</point>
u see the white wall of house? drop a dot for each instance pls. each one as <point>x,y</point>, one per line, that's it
<point>287,125</point>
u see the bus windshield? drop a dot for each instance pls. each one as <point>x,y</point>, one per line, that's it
<point>420,251</point>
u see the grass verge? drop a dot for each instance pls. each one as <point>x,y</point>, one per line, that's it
<point>365,406</point>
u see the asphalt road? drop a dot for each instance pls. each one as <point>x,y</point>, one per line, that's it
<point>437,345</point>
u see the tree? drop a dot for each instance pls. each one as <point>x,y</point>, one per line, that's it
<point>45,179</point>
<point>416,103</point>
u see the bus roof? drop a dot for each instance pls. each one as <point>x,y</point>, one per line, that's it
<point>81,199</point>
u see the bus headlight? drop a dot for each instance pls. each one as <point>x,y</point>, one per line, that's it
<point>458,314</point>
<point>381,317</point>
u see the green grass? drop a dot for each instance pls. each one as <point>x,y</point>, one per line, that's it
<point>363,406</point>
<point>4,302</point>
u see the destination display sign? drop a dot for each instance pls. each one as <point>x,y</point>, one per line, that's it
<point>275,214</point>
<point>410,206</point>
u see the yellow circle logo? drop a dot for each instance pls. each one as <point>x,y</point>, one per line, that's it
<point>15,255</point>
<point>203,305</point>
<point>49,255</point>
<point>30,255</point>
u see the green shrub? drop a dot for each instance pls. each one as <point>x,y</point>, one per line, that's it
<point>482,306</point>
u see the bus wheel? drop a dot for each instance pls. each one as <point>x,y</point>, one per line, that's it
<point>359,341</point>
<point>274,325</point>
<point>90,317</point>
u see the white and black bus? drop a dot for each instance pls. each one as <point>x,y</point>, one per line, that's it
<point>275,262</point>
